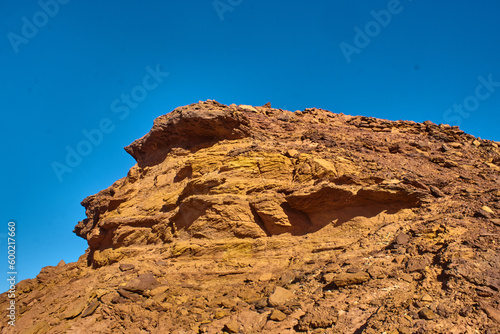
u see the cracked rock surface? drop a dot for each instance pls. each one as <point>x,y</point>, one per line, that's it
<point>243,219</point>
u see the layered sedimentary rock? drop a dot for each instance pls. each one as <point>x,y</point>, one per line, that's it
<point>260,220</point>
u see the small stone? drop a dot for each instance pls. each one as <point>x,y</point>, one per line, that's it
<point>61,263</point>
<point>399,258</point>
<point>91,308</point>
<point>495,221</point>
<point>280,296</point>
<point>443,310</point>
<point>416,264</point>
<point>407,277</point>
<point>482,214</point>
<point>436,192</point>
<point>158,291</point>
<point>284,117</point>
<point>292,153</point>
<point>126,266</point>
<point>476,143</point>
<point>455,145</point>
<point>232,326</point>
<point>413,315</point>
<point>484,291</point>
<point>426,314</point>
<point>74,311</point>
<point>265,277</point>
<point>287,278</point>
<point>277,315</point>
<point>319,317</point>
<point>402,239</point>
<point>328,277</point>
<point>427,298</point>
<point>221,314</point>
<point>229,303</point>
<point>445,148</point>
<point>404,330</point>
<point>347,279</point>
<point>470,190</point>
<point>128,295</point>
<point>248,108</point>
<point>142,283</point>
<point>261,303</point>
<point>353,270</point>
<point>493,166</point>
<point>450,164</point>
<point>465,311</point>
<point>487,209</point>
<point>249,296</point>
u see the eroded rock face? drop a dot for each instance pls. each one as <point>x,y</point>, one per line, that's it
<point>259,220</point>
<point>214,171</point>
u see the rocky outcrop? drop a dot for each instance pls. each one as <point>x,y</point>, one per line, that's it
<point>217,172</point>
<point>260,220</point>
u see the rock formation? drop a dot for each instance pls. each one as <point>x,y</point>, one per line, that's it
<point>244,219</point>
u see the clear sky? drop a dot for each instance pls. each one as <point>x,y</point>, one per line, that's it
<point>82,79</point>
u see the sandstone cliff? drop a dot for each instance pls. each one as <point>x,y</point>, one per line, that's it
<point>259,220</point>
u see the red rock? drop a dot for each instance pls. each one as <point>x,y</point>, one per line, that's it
<point>416,264</point>
<point>280,297</point>
<point>277,315</point>
<point>346,279</point>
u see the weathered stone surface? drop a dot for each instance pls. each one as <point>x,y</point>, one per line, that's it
<point>259,220</point>
<point>492,312</point>
<point>436,192</point>
<point>126,266</point>
<point>321,317</point>
<point>232,326</point>
<point>402,239</point>
<point>41,327</point>
<point>346,279</point>
<point>142,283</point>
<point>416,264</point>
<point>93,305</point>
<point>280,297</point>
<point>277,315</point>
<point>426,314</point>
<point>75,309</point>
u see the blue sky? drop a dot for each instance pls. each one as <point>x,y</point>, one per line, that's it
<point>89,77</point>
